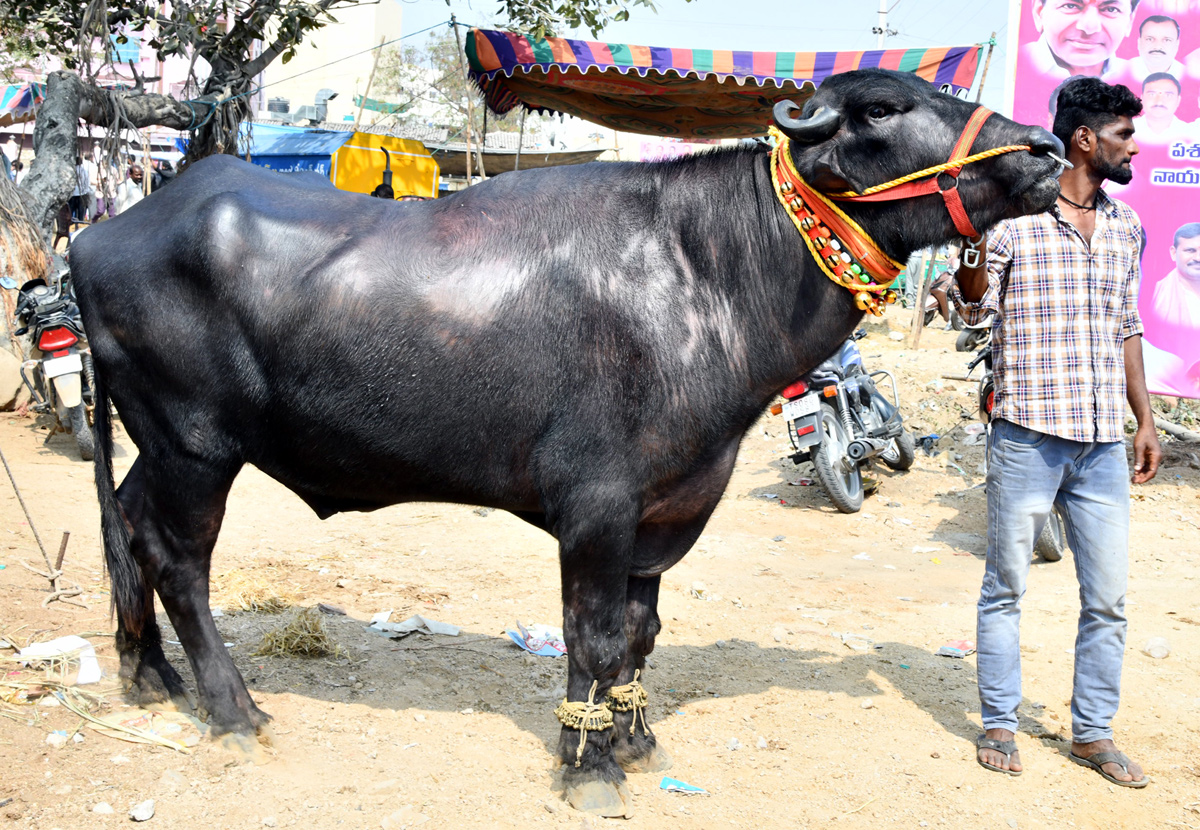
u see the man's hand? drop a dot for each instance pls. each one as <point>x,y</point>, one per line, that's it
<point>1147,454</point>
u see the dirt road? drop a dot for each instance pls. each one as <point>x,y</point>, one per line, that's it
<point>797,683</point>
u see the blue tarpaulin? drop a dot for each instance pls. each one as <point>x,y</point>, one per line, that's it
<point>291,149</point>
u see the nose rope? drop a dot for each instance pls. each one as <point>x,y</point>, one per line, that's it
<point>932,171</point>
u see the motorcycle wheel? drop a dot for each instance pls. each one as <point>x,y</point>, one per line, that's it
<point>82,431</point>
<point>901,452</point>
<point>841,477</point>
<point>929,315</point>
<point>956,321</point>
<point>970,340</point>
<point>1052,542</point>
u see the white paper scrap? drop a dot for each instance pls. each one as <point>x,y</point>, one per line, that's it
<point>71,648</point>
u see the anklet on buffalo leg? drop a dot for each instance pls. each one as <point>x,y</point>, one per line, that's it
<point>584,716</point>
<point>631,697</point>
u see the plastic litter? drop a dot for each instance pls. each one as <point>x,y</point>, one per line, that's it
<point>61,655</point>
<point>673,785</point>
<point>539,639</point>
<point>1157,647</point>
<point>957,649</point>
<point>416,624</point>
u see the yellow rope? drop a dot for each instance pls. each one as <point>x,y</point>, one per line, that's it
<point>933,171</point>
<point>631,697</point>
<point>584,716</point>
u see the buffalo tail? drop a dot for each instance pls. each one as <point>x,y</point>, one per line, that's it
<point>128,586</point>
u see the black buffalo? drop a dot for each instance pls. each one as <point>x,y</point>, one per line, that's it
<point>581,346</point>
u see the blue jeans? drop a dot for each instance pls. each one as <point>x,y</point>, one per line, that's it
<point>1028,473</point>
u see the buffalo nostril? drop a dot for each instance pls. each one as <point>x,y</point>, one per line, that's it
<point>1042,142</point>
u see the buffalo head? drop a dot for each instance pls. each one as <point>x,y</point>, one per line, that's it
<point>872,126</point>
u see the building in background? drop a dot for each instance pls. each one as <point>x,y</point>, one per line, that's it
<point>318,62</point>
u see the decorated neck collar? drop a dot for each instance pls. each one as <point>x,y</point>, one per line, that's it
<point>842,249</point>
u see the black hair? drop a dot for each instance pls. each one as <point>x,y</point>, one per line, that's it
<point>1162,76</point>
<point>1189,231</point>
<point>1160,18</point>
<point>1089,102</point>
<point>384,191</point>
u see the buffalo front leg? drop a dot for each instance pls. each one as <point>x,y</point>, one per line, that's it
<point>149,678</point>
<point>594,546</point>
<point>634,745</point>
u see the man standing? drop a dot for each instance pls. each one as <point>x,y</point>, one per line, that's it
<point>130,191</point>
<point>1067,349</point>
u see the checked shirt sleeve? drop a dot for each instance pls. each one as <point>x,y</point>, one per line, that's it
<point>999,259</point>
<point>1131,322</point>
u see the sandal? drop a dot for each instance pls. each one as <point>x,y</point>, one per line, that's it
<point>1005,748</point>
<point>1097,761</point>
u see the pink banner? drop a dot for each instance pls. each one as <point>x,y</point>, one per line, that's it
<point>1152,47</point>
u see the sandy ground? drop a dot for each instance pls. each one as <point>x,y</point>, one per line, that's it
<point>753,690</point>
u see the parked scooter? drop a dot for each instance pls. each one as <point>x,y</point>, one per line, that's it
<point>1051,544</point>
<point>838,420</point>
<point>58,372</point>
<point>974,337</point>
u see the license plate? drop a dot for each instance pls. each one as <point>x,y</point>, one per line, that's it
<point>800,407</point>
<point>55,366</point>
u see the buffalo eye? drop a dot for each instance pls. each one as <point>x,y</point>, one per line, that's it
<point>878,113</point>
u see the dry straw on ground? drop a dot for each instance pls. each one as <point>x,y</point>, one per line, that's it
<point>303,635</point>
<point>240,590</point>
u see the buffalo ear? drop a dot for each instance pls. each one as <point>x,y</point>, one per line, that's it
<point>818,127</point>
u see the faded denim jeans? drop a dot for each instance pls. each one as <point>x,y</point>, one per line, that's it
<point>1028,473</point>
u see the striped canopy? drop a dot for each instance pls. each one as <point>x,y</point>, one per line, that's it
<point>683,93</point>
<point>18,102</point>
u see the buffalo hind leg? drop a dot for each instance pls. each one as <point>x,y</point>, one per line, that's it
<point>595,531</point>
<point>149,678</point>
<point>634,744</point>
<point>181,514</point>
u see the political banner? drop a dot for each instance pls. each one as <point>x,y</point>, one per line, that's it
<point>1152,47</point>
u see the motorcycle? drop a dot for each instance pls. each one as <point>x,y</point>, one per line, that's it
<point>1052,542</point>
<point>974,337</point>
<point>59,372</point>
<point>838,420</point>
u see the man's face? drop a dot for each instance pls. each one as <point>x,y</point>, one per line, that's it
<point>1187,258</point>
<point>1158,44</point>
<point>1161,99</point>
<point>1083,33</point>
<point>1115,149</point>
<point>135,173</point>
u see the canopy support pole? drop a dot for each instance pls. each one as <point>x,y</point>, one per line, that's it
<point>462,65</point>
<point>370,80</point>
<point>986,63</point>
<point>520,139</point>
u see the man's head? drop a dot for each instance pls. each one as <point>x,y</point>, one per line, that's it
<point>1186,252</point>
<point>1083,34</point>
<point>1158,42</point>
<point>135,172</point>
<point>1161,94</point>
<point>383,191</point>
<point>1094,121</point>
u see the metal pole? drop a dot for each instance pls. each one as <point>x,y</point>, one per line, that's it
<point>520,140</point>
<point>987,62</point>
<point>370,80</point>
<point>462,65</point>
<point>882,23</point>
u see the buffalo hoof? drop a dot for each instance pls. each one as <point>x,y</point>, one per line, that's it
<point>250,749</point>
<point>601,798</point>
<point>655,759</point>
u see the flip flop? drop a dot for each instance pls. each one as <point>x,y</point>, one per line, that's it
<point>1005,748</point>
<point>1097,760</point>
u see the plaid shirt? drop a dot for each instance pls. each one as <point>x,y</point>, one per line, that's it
<point>1063,311</point>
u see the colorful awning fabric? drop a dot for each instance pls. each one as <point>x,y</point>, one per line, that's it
<point>684,93</point>
<point>19,102</point>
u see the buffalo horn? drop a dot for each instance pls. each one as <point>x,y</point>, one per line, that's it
<point>818,127</point>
